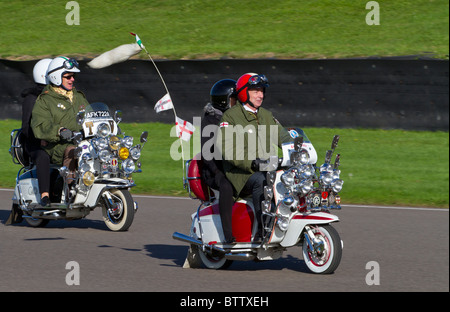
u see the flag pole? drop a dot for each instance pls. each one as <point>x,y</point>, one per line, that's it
<point>139,42</point>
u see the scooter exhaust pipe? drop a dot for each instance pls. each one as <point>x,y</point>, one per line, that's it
<point>240,256</point>
<point>190,240</point>
<point>229,256</point>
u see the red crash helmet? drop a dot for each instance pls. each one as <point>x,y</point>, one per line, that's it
<point>247,81</point>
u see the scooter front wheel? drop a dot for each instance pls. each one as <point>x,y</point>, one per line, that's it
<point>328,258</point>
<point>118,215</point>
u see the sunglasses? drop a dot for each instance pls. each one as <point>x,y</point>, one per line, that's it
<point>68,77</point>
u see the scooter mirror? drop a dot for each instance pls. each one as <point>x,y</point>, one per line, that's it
<point>80,117</point>
<point>118,116</point>
<point>298,142</point>
<point>328,156</point>
<point>337,161</point>
<point>268,192</point>
<point>144,136</point>
<point>77,137</point>
<point>270,177</point>
<point>335,141</point>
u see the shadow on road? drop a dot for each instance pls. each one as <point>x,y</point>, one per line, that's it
<point>177,254</point>
<point>60,224</point>
<point>168,252</point>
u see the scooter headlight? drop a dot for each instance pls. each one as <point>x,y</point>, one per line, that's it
<point>88,178</point>
<point>304,157</point>
<point>114,142</point>
<point>104,156</point>
<point>336,174</point>
<point>326,178</point>
<point>83,167</point>
<point>101,143</point>
<point>135,153</point>
<point>128,166</point>
<point>288,178</point>
<point>266,206</point>
<point>306,171</point>
<point>325,168</point>
<point>306,186</point>
<point>336,185</point>
<point>124,153</point>
<point>283,223</point>
<point>103,130</point>
<point>127,141</point>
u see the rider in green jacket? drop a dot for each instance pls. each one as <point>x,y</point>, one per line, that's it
<point>249,136</point>
<point>54,114</point>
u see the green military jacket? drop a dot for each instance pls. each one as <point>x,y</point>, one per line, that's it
<point>245,136</point>
<point>53,111</point>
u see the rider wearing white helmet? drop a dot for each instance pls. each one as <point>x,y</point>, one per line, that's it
<point>32,146</point>
<point>40,71</point>
<point>58,67</point>
<point>55,111</point>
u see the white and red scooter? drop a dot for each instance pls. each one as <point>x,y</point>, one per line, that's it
<point>295,213</point>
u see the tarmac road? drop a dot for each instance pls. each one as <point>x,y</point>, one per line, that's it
<point>409,246</point>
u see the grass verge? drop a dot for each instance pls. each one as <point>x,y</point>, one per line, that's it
<point>212,29</point>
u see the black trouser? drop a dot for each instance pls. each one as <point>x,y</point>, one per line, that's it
<point>226,201</point>
<point>255,187</point>
<point>42,161</point>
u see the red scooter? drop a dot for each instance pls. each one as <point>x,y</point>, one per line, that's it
<point>295,212</point>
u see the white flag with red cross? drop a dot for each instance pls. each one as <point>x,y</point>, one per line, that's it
<point>164,103</point>
<point>184,129</point>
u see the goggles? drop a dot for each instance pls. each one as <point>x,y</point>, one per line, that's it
<point>68,64</point>
<point>257,79</point>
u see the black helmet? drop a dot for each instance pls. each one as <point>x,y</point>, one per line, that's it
<point>221,92</point>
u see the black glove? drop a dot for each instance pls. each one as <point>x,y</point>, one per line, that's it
<point>65,134</point>
<point>257,162</point>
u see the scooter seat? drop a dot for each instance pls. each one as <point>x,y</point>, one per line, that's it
<point>196,183</point>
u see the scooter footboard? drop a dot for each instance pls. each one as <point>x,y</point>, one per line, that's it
<point>298,223</point>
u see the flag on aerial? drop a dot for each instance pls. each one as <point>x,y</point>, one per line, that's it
<point>184,129</point>
<point>165,103</point>
<point>138,40</point>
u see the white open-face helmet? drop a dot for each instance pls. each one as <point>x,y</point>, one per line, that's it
<point>40,71</point>
<point>59,66</point>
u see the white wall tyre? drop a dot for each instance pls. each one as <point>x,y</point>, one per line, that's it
<point>122,219</point>
<point>215,262</point>
<point>36,222</point>
<point>212,261</point>
<point>328,261</point>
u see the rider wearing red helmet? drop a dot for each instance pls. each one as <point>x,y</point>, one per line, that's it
<point>244,126</point>
<point>247,82</point>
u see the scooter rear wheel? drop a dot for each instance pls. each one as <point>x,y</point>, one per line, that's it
<point>36,222</point>
<point>213,262</point>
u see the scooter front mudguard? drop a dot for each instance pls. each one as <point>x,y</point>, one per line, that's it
<point>298,223</point>
<point>90,199</point>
